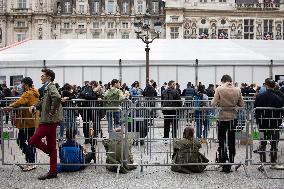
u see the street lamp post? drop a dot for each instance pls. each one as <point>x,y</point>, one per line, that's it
<point>142,31</point>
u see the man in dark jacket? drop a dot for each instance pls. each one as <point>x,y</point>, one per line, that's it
<point>171,98</point>
<point>268,121</point>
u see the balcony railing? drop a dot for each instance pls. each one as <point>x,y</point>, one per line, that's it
<point>260,6</point>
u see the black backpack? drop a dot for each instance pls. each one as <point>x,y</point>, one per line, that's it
<point>168,98</point>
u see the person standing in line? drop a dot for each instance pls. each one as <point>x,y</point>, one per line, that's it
<point>228,98</point>
<point>51,114</point>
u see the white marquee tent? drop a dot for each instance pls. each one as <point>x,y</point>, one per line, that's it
<point>75,61</point>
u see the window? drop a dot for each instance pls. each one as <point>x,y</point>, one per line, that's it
<point>22,4</point>
<point>82,9</point>
<point>66,25</point>
<point>125,36</point>
<point>96,35</point>
<point>222,1</point>
<point>21,36</point>
<point>268,27</point>
<point>96,25</point>
<point>124,24</point>
<point>125,8</point>
<point>110,6</point>
<point>174,18</point>
<point>67,7</point>
<point>203,1</point>
<point>110,24</point>
<point>248,29</point>
<point>110,35</point>
<point>96,7</point>
<point>81,26</point>
<point>140,6</point>
<point>174,32</point>
<point>203,21</point>
<point>155,7</point>
<point>21,24</point>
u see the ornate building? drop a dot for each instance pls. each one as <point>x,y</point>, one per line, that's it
<point>72,19</point>
<point>232,19</point>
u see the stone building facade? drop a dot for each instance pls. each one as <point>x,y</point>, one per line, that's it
<point>232,19</point>
<point>72,19</point>
<point>114,19</point>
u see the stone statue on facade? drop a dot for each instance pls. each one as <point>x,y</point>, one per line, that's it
<point>58,9</point>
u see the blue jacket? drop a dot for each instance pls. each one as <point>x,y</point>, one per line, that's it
<point>70,153</point>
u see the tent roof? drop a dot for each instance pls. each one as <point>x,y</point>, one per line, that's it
<point>105,51</point>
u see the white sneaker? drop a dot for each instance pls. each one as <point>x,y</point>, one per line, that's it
<point>29,168</point>
<point>277,167</point>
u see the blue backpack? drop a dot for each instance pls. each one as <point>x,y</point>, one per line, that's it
<point>197,102</point>
<point>71,155</point>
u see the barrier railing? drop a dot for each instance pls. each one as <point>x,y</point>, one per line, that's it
<point>142,125</point>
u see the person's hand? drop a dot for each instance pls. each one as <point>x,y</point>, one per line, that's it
<point>100,99</point>
<point>64,99</point>
<point>32,109</point>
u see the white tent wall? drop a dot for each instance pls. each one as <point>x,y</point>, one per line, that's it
<point>70,73</point>
<point>208,75</point>
<point>260,74</point>
<point>185,75</point>
<point>75,61</point>
<point>244,74</point>
<point>88,74</point>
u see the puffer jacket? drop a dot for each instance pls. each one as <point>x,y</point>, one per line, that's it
<point>24,119</point>
<point>50,106</point>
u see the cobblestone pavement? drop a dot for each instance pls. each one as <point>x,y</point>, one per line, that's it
<point>152,176</point>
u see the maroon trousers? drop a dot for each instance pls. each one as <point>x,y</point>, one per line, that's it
<point>48,131</point>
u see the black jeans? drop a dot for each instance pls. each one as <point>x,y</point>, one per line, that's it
<point>88,116</point>
<point>168,120</point>
<point>226,135</point>
<point>24,136</point>
<point>274,137</point>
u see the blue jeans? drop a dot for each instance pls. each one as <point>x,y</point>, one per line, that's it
<point>202,120</point>
<point>69,121</point>
<point>112,117</point>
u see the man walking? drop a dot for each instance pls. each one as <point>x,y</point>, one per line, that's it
<point>51,114</point>
<point>26,122</point>
<point>227,97</point>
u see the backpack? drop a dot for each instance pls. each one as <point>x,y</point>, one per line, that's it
<point>168,98</point>
<point>198,100</point>
<point>189,92</point>
<point>71,155</point>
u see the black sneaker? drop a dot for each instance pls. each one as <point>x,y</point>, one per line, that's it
<point>226,168</point>
<point>48,176</point>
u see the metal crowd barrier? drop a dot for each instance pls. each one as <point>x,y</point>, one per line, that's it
<point>150,156</point>
<point>142,126</point>
<point>266,130</point>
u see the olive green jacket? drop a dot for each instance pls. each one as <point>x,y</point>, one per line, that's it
<point>187,151</point>
<point>50,106</point>
<point>113,149</point>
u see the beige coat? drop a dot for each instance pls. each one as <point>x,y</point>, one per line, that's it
<point>228,97</point>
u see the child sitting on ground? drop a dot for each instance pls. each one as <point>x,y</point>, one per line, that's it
<point>71,152</point>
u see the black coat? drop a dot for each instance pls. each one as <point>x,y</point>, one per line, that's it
<point>268,99</point>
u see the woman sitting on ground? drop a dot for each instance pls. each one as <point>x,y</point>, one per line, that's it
<point>186,151</point>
